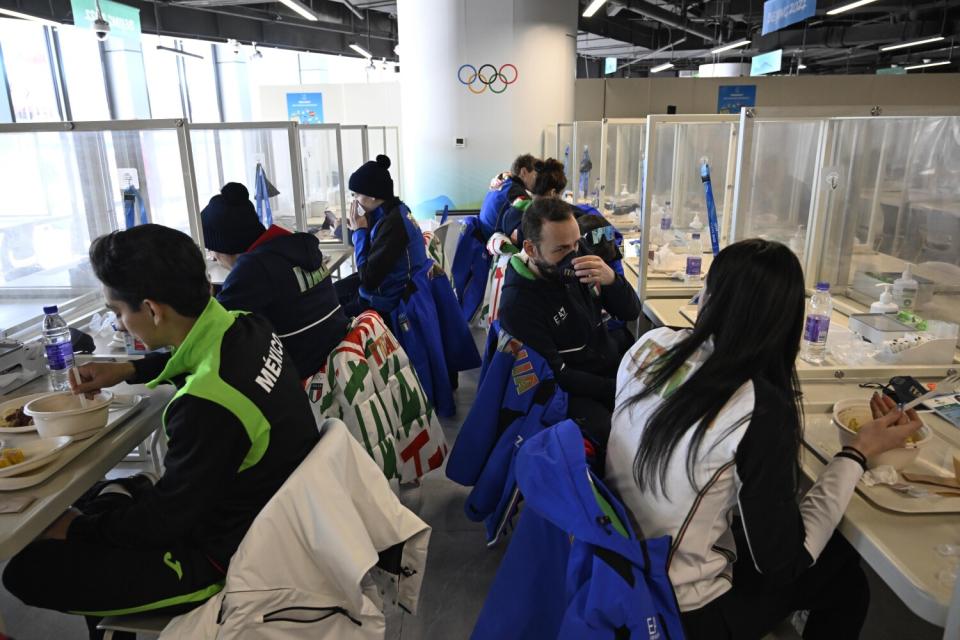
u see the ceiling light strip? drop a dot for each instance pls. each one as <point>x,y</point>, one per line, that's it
<point>301,9</point>
<point>849,7</point>
<point>913,43</point>
<point>733,45</point>
<point>27,16</point>
<point>593,8</point>
<point>928,65</point>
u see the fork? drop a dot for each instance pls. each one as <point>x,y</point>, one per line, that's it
<point>950,382</point>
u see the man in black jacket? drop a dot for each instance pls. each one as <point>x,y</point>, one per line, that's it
<point>553,298</point>
<point>276,274</point>
<point>238,426</point>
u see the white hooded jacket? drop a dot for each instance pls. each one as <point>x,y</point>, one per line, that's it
<point>321,557</point>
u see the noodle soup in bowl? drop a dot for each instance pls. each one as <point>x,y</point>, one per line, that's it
<point>851,414</point>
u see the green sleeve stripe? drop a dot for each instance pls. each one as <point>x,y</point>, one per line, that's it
<point>197,596</point>
<point>608,511</point>
<point>206,383</point>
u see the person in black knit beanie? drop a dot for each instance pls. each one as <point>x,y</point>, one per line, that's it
<point>276,274</point>
<point>388,243</point>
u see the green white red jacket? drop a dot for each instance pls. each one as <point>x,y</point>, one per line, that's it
<point>369,383</point>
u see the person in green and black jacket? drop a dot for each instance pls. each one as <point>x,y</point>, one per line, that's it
<point>238,426</point>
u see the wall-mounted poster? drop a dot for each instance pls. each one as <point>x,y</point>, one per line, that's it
<point>305,108</point>
<point>731,99</point>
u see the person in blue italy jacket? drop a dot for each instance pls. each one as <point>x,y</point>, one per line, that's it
<point>575,569</point>
<point>504,189</point>
<point>388,243</point>
<point>276,274</point>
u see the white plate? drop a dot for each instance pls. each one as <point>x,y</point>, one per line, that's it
<point>37,453</point>
<point>16,403</point>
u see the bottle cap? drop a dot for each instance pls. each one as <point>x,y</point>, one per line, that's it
<point>52,309</point>
<point>823,286</point>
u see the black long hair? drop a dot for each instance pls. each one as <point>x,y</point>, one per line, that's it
<point>753,312</point>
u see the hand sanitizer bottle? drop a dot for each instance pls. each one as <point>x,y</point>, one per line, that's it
<point>886,303</point>
<point>905,290</point>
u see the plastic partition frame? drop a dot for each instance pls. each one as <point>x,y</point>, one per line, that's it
<point>302,211</point>
<point>395,162</point>
<point>293,139</point>
<point>364,137</point>
<point>647,201</point>
<point>604,123</point>
<point>574,146</point>
<point>816,231</point>
<point>88,303</point>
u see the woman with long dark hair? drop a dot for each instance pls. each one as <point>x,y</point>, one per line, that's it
<point>708,427</point>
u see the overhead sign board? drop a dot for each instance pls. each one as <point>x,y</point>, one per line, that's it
<point>765,63</point>
<point>124,21</point>
<point>778,14</point>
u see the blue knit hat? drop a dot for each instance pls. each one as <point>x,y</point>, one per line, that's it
<point>230,222</point>
<point>373,179</point>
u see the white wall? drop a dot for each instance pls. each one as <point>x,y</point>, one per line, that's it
<point>373,104</point>
<point>436,38</point>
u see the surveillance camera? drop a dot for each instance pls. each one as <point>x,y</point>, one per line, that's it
<point>102,28</point>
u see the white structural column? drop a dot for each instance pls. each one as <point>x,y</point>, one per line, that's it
<point>437,37</point>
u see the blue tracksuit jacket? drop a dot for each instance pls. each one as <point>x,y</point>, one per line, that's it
<point>517,397</point>
<point>575,570</point>
<point>392,218</point>
<point>471,266</point>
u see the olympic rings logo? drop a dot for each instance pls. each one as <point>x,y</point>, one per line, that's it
<point>487,76</point>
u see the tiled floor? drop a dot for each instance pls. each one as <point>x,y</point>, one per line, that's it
<point>459,571</point>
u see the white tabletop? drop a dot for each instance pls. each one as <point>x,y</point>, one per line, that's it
<point>899,547</point>
<point>60,491</point>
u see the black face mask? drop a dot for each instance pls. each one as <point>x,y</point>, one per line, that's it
<point>559,272</point>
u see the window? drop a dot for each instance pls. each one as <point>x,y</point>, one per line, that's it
<point>201,81</point>
<point>234,84</point>
<point>163,77</point>
<point>83,70</point>
<point>27,62</point>
<point>64,189</point>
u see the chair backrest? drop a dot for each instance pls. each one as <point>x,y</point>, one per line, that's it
<point>319,545</point>
<point>440,248</point>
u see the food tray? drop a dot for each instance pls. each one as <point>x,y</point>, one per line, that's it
<point>118,415</point>
<point>820,437</point>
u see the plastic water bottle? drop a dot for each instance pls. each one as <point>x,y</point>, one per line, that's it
<point>814,344</point>
<point>666,224</point>
<point>58,348</point>
<point>694,268</point>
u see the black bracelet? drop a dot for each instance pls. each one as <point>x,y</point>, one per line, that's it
<point>853,454</point>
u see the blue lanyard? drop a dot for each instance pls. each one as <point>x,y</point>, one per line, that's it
<point>262,198</point>
<point>131,201</point>
<point>711,208</point>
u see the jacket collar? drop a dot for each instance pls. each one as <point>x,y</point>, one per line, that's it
<point>202,338</point>
<point>518,262</point>
<point>272,233</point>
<point>553,475</point>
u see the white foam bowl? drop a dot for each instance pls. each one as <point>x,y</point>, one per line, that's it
<point>845,410</point>
<point>61,414</point>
